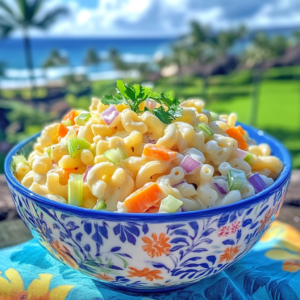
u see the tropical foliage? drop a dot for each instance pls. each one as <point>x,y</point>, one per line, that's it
<point>203,63</point>
<point>25,15</point>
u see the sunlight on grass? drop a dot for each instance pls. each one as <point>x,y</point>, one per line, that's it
<point>239,105</point>
<point>279,105</point>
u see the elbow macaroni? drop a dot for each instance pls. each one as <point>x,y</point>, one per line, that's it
<point>130,132</point>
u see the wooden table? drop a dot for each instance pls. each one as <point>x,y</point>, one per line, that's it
<point>13,231</point>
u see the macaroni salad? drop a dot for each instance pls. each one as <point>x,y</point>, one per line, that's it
<point>144,152</point>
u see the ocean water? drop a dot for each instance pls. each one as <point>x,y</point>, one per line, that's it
<point>132,50</point>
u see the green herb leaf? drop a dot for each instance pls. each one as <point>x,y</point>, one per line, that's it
<point>145,93</point>
<point>163,115</point>
<point>134,95</point>
<point>131,92</point>
<point>165,98</point>
<point>112,99</point>
<point>121,87</point>
<point>175,111</point>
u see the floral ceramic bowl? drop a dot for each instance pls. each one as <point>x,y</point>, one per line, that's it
<point>150,252</point>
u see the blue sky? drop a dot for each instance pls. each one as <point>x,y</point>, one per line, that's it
<point>159,18</point>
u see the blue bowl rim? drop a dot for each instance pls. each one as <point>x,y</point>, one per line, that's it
<point>151,217</point>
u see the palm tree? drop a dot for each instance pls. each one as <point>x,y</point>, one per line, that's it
<point>199,34</point>
<point>296,35</point>
<point>92,58</point>
<point>54,60</point>
<point>24,15</point>
<point>144,70</point>
<point>117,61</point>
<point>179,57</point>
<point>198,48</point>
<point>262,49</point>
<point>225,39</point>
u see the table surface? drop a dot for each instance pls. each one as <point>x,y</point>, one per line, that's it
<point>13,231</point>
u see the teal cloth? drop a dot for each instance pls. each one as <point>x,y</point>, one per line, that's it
<point>271,270</point>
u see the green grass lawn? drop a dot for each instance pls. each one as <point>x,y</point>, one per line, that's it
<point>279,104</point>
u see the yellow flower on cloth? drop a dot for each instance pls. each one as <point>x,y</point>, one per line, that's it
<point>12,288</point>
<point>286,245</point>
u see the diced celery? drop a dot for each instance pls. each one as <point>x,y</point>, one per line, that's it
<point>82,118</point>
<point>75,189</point>
<point>71,134</point>
<point>48,151</point>
<point>16,159</point>
<point>214,116</point>
<point>170,204</point>
<point>100,205</point>
<point>236,179</point>
<point>67,122</point>
<point>206,130</point>
<point>115,155</point>
<point>19,159</point>
<point>249,157</point>
<point>76,144</point>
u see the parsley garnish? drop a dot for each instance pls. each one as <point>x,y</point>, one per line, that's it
<point>134,95</point>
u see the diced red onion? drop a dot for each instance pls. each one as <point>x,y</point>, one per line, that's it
<point>178,183</point>
<point>151,141</point>
<point>220,188</point>
<point>109,114</point>
<point>241,153</point>
<point>150,103</point>
<point>258,183</point>
<point>189,164</point>
<point>223,120</point>
<point>86,173</point>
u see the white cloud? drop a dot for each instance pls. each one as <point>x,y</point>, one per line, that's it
<point>145,18</point>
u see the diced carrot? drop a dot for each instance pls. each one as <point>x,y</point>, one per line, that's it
<point>240,129</point>
<point>144,198</point>
<point>159,152</point>
<point>70,116</point>
<point>76,129</point>
<point>235,134</point>
<point>62,131</point>
<point>68,171</point>
<point>153,209</point>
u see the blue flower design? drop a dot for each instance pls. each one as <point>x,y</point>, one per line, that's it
<point>128,232</point>
<point>44,230</point>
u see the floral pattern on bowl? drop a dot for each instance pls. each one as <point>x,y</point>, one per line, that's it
<point>149,256</point>
<point>150,252</point>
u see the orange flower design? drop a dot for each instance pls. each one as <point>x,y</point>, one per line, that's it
<point>229,253</point>
<point>64,253</point>
<point>266,219</point>
<point>158,246</point>
<point>149,275</point>
<point>291,266</point>
<point>105,277</point>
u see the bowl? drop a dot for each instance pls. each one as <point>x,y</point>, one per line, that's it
<point>150,252</point>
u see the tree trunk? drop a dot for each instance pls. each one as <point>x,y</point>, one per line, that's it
<point>178,75</point>
<point>29,63</point>
<point>299,105</point>
<point>257,75</point>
